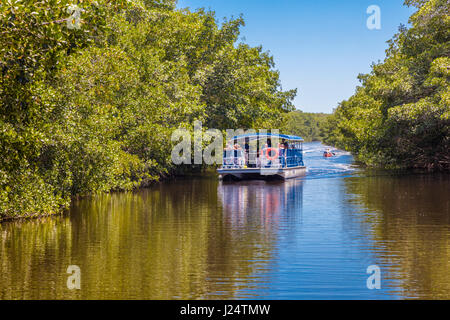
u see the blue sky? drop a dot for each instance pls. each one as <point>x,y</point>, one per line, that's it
<point>319,46</point>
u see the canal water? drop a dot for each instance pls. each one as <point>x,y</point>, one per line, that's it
<point>197,238</point>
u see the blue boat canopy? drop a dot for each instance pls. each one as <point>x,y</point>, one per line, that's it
<point>268,135</point>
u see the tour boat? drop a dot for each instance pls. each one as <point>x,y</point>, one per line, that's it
<point>263,156</point>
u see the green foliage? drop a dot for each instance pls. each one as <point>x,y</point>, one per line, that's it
<point>309,126</point>
<point>399,116</point>
<point>93,109</point>
<point>35,42</point>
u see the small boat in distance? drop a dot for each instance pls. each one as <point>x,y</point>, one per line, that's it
<point>264,156</point>
<point>328,153</point>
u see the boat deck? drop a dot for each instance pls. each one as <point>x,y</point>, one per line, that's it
<point>262,173</point>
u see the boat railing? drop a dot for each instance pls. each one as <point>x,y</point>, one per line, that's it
<point>243,160</point>
<point>233,163</point>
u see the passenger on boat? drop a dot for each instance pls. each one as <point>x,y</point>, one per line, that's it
<point>285,144</point>
<point>228,155</point>
<point>263,159</point>
<point>239,157</point>
<point>283,147</point>
<point>246,151</point>
<point>258,161</point>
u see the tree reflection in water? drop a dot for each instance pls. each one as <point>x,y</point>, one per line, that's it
<point>175,240</point>
<point>200,238</point>
<point>408,220</point>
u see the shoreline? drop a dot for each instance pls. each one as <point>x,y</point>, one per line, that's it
<point>209,172</point>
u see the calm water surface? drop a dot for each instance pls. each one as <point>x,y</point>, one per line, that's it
<point>309,238</point>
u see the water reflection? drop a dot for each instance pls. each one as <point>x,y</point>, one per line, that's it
<point>407,218</point>
<point>203,239</point>
<point>260,204</point>
<point>177,240</point>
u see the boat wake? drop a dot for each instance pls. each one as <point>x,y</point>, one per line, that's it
<point>319,167</point>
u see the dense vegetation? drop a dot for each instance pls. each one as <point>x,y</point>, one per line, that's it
<point>309,126</point>
<point>89,105</point>
<point>400,115</point>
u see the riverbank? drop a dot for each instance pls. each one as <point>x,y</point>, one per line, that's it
<point>211,172</point>
<point>206,172</point>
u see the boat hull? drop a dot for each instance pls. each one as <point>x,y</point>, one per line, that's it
<point>261,173</point>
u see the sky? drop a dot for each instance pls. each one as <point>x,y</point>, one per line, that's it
<point>319,46</point>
